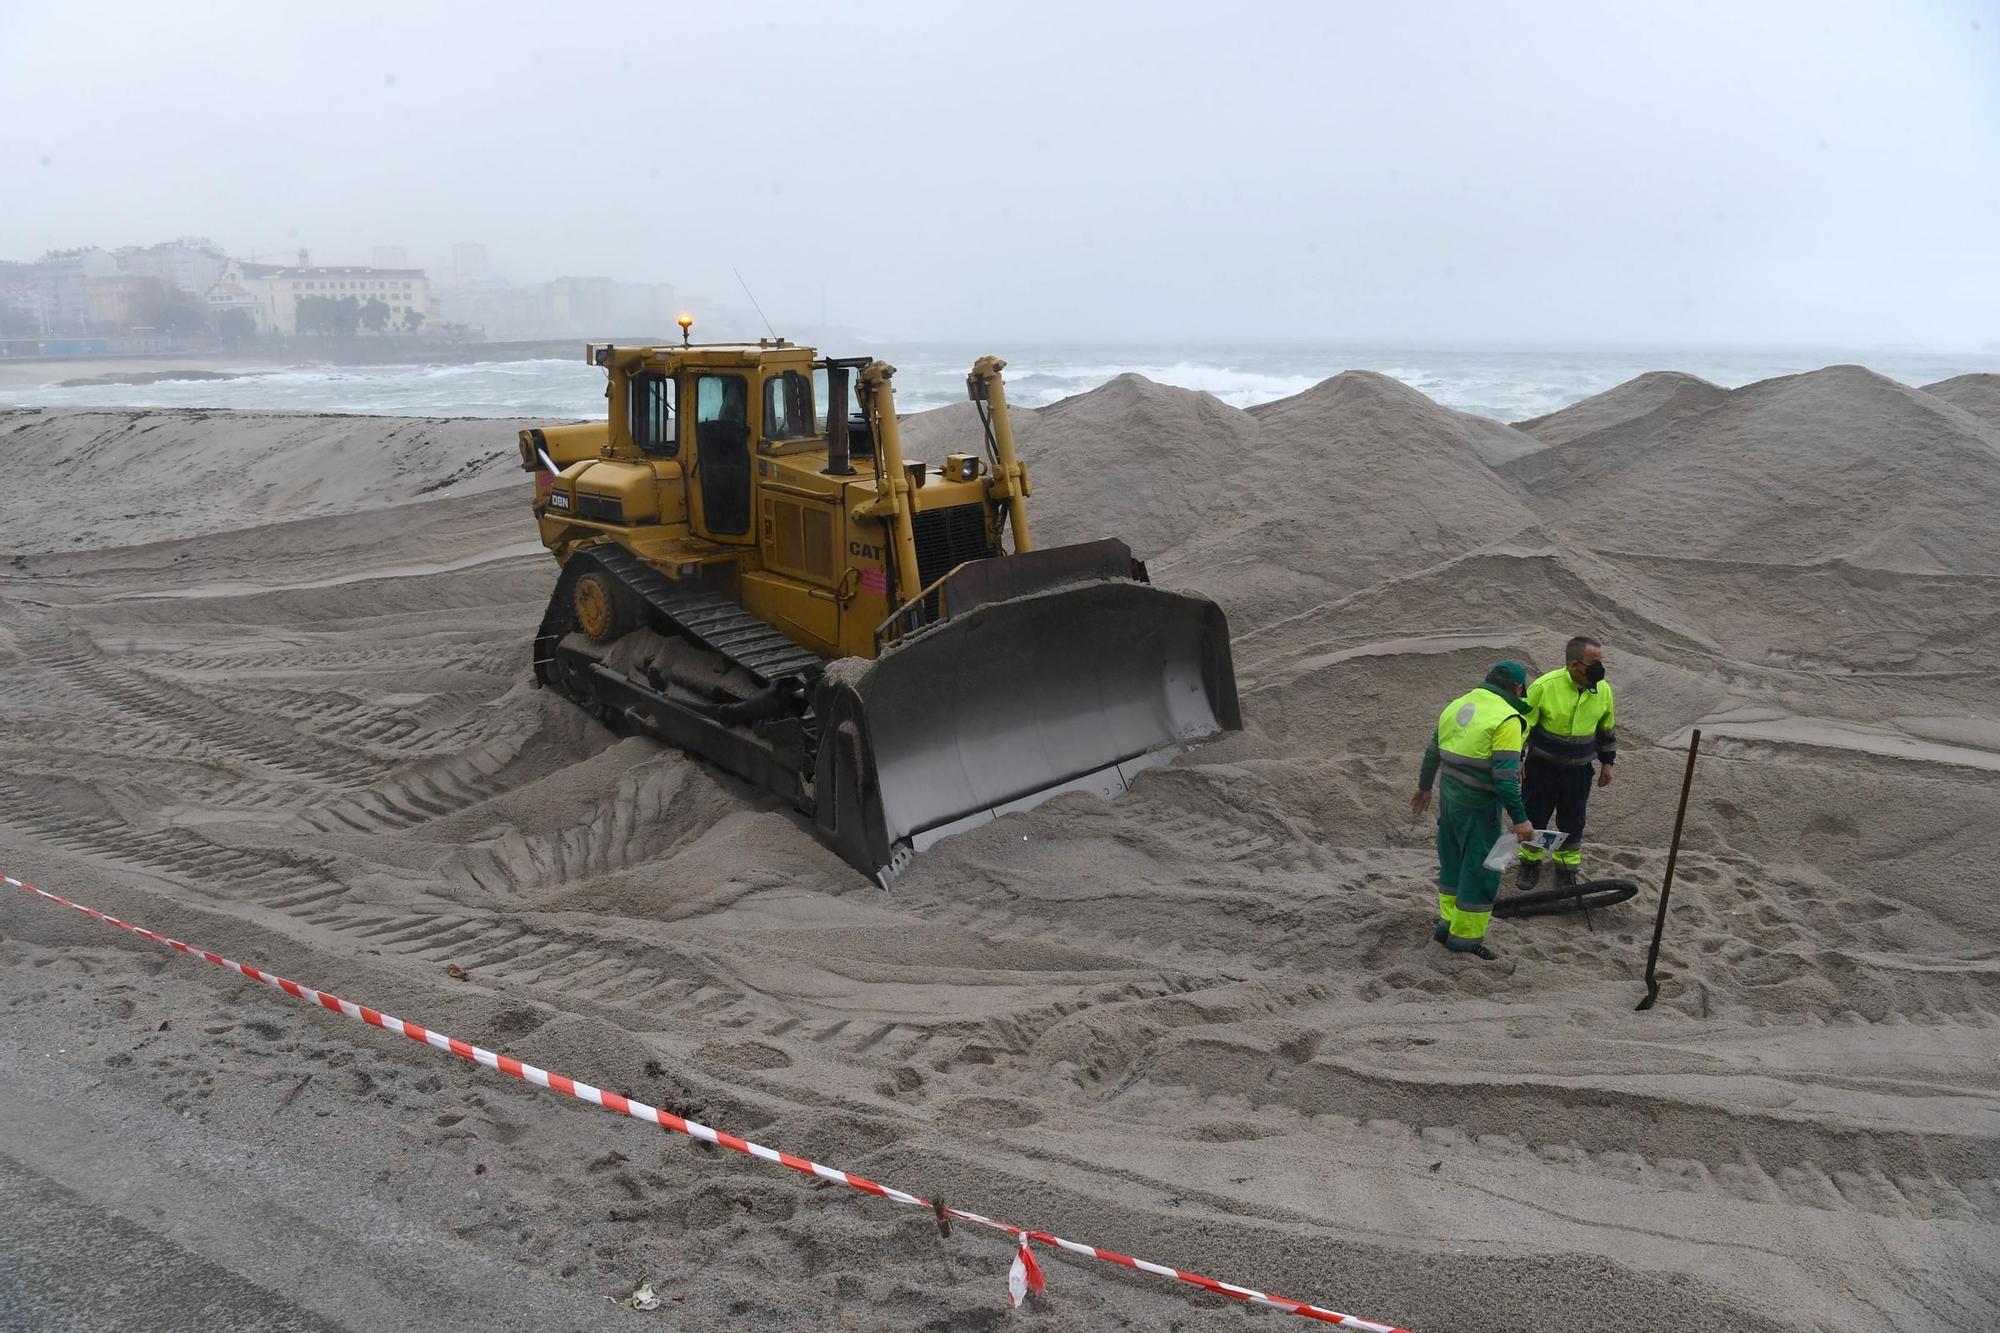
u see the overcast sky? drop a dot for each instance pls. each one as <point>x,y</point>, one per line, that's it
<point>1674,172</point>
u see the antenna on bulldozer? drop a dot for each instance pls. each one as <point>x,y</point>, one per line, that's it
<point>754,306</point>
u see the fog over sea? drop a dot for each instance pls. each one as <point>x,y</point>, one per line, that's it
<point>1510,384</point>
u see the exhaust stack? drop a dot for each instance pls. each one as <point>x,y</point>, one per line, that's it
<point>837,462</point>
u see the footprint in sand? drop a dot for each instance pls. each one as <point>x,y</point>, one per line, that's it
<point>991,1113</point>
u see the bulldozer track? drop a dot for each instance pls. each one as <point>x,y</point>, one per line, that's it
<point>273,745</point>
<point>702,617</point>
<point>351,721</point>
<point>505,952</point>
<point>570,964</point>
<point>430,789</point>
<point>441,725</point>
<point>1210,839</point>
<point>130,743</point>
<point>253,745</point>
<point>1754,1157</point>
<point>180,852</point>
<point>654,811</point>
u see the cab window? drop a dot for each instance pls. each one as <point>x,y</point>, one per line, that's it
<point>788,406</point>
<point>719,402</point>
<point>653,415</point>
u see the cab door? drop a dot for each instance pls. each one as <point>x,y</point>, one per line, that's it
<point>721,474</point>
<point>655,425</point>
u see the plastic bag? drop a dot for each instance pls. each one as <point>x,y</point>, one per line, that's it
<point>1509,847</point>
<point>1504,852</point>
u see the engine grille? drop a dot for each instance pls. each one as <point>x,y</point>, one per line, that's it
<point>949,537</point>
<point>603,508</point>
<point>945,539</point>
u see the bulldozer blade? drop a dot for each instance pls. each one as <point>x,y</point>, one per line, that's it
<point>1000,708</point>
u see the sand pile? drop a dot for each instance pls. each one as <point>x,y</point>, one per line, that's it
<point>1146,462</point>
<point>1358,480</point>
<point>1203,1023</point>
<point>1669,393</point>
<point>1339,482</point>
<point>1840,463</point>
<point>161,472</point>
<point>1977,394</point>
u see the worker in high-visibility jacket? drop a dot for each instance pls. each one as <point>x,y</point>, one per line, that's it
<point>1571,722</point>
<point>1478,748</point>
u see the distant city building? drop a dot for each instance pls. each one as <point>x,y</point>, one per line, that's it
<point>488,304</point>
<point>273,293</point>
<point>588,306</point>
<point>20,300</point>
<point>122,301</point>
<point>190,288</point>
<point>93,291</point>
<point>580,307</point>
<point>239,288</point>
<point>62,283</point>
<point>191,264</point>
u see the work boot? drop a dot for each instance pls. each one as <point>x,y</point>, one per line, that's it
<point>1565,875</point>
<point>1482,951</point>
<point>1526,874</point>
<point>1441,932</point>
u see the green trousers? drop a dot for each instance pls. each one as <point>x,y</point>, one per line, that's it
<point>1467,831</point>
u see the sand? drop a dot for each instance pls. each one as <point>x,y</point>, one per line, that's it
<point>265,683</point>
<point>143,474</point>
<point>112,370</point>
<point>1977,393</point>
<point>1668,393</point>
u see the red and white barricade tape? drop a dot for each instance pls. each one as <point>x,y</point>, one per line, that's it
<point>1024,1277</point>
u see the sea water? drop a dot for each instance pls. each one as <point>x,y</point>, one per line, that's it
<point>1505,383</point>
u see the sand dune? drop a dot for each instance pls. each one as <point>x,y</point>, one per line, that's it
<point>150,473</point>
<point>1355,482</point>
<point>1840,463</point>
<point>1663,393</point>
<point>1203,1023</point>
<point>1978,394</point>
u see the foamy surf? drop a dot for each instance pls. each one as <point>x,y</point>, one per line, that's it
<point>1505,385</point>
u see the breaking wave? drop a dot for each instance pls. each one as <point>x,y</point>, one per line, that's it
<point>1508,385</point>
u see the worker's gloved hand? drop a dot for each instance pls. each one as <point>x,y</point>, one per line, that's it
<point>1525,832</point>
<point>1419,802</point>
<point>1604,775</point>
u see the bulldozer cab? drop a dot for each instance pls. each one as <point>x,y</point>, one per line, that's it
<point>702,421</point>
<point>706,414</point>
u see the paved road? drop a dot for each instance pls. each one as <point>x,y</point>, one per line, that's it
<point>74,1265</point>
<point>118,1214</point>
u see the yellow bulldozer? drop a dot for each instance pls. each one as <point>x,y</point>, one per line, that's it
<point>755,574</point>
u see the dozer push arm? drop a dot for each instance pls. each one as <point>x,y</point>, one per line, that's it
<point>556,447</point>
<point>1010,476</point>
<point>894,504</point>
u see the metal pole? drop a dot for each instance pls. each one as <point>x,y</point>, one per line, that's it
<point>1667,883</point>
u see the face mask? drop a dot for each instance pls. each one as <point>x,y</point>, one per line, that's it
<point>1594,672</point>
